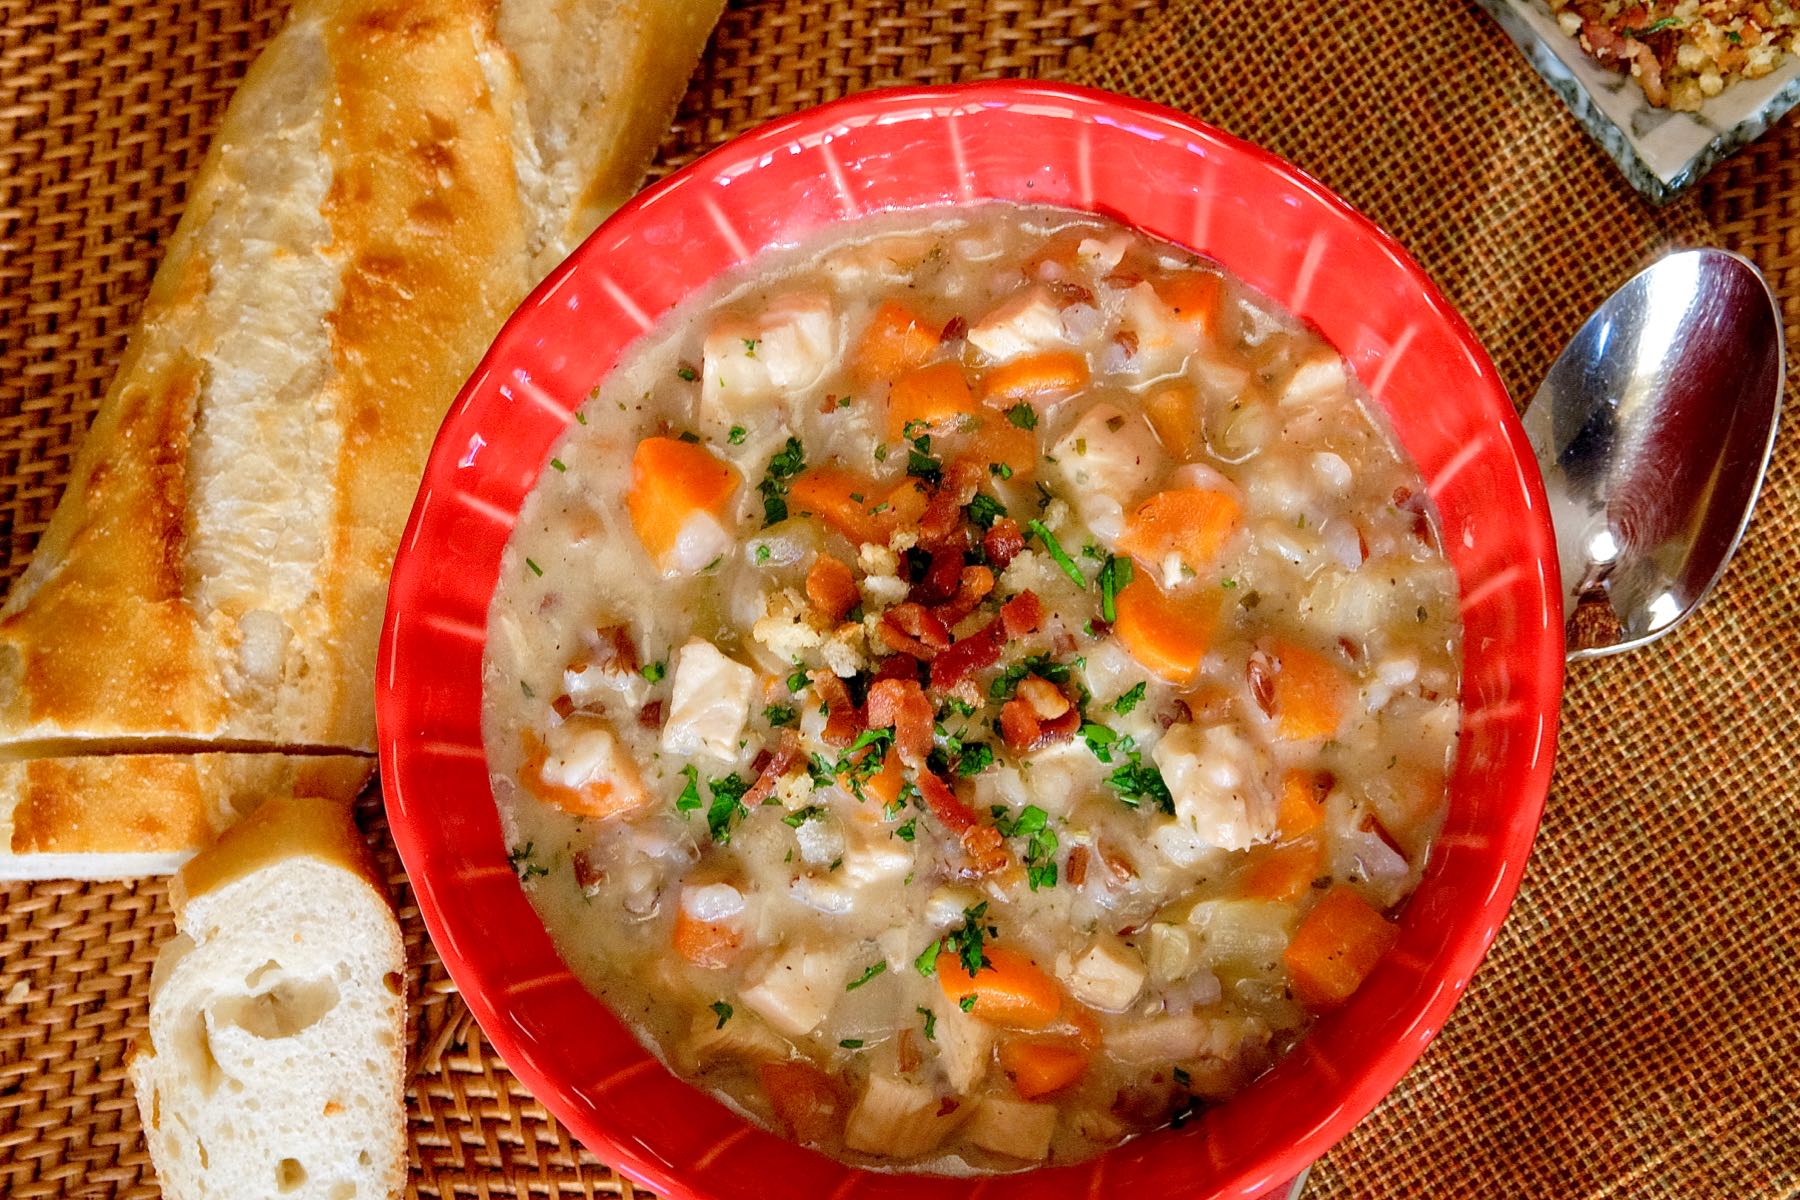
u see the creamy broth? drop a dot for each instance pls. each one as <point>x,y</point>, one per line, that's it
<point>973,687</point>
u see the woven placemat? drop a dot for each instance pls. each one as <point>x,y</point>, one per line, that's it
<point>1633,1032</point>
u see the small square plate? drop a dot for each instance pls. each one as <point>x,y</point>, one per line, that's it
<point>1662,152</point>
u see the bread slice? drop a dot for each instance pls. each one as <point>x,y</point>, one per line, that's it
<point>274,1065</point>
<point>125,815</point>
<point>388,183</point>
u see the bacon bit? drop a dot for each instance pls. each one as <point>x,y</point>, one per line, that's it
<point>982,846</point>
<point>976,583</point>
<point>943,517</point>
<point>1127,342</point>
<point>831,588</point>
<point>1045,698</point>
<point>1119,868</point>
<point>1002,542</point>
<point>907,1053</point>
<point>587,875</point>
<point>617,653</point>
<point>911,628</point>
<point>650,716</point>
<point>951,813</point>
<point>1259,672</point>
<point>842,721</point>
<point>1350,649</point>
<point>1362,544</point>
<point>1022,614</point>
<point>948,1105</point>
<point>941,578</point>
<point>773,768</point>
<point>898,666</point>
<point>1401,495</point>
<point>1024,729</point>
<point>832,402</point>
<point>1075,869</point>
<point>1070,293</point>
<point>761,761</point>
<point>979,650</point>
<point>562,706</point>
<point>1123,279</point>
<point>955,330</point>
<point>901,703</point>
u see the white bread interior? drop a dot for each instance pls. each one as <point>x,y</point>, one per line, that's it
<point>274,1064</point>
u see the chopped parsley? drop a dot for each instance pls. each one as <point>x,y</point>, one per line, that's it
<point>689,436</point>
<point>1102,740</point>
<point>580,418</point>
<point>874,970</point>
<point>786,463</point>
<point>930,1022</point>
<point>984,510</point>
<point>558,464</point>
<point>1129,700</point>
<point>1043,534</point>
<point>974,758</point>
<point>1137,781</point>
<point>797,680</point>
<point>926,963</point>
<point>521,859</point>
<point>1032,824</point>
<point>967,1002</point>
<point>799,817</point>
<point>727,806</point>
<point>535,569</point>
<point>852,1043</point>
<point>908,831</point>
<point>1000,471</point>
<point>780,714</point>
<point>686,373</point>
<point>967,942</point>
<point>1023,415</point>
<point>762,554</point>
<point>655,671</point>
<point>881,452</point>
<point>689,800</point>
<point>750,347</point>
<point>724,1010</point>
<point>1041,665</point>
<point>1112,579</point>
<point>920,463</point>
<point>737,435</point>
<point>1654,27</point>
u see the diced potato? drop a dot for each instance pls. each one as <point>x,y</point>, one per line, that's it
<point>1108,459</point>
<point>1249,933</point>
<point>871,855</point>
<point>1107,975</point>
<point>785,350</point>
<point>1171,958</point>
<point>1320,376</point>
<point>1219,784</point>
<point>897,1118</point>
<point>794,991</point>
<point>1012,1127</point>
<point>1026,322</point>
<point>1160,1040</point>
<point>709,702</point>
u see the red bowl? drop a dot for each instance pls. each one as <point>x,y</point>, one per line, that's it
<point>1145,166</point>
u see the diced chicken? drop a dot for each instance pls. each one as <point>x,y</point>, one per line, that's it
<point>785,350</point>
<point>1101,255</point>
<point>1163,340</point>
<point>828,894</point>
<point>742,1037</point>
<point>1108,459</point>
<point>1219,783</point>
<point>890,259</point>
<point>794,991</point>
<point>1320,376</point>
<point>965,1046</point>
<point>1160,1040</point>
<point>1014,1128</point>
<point>583,756</point>
<point>709,702</point>
<point>870,856</point>
<point>1025,323</point>
<point>1107,975</point>
<point>897,1118</point>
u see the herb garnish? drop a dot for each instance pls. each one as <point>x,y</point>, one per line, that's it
<point>930,1023</point>
<point>737,435</point>
<point>535,569</point>
<point>780,714</point>
<point>1112,579</point>
<point>724,1010</point>
<point>655,671</point>
<point>1043,534</point>
<point>1129,700</point>
<point>920,463</point>
<point>874,970</point>
<point>727,806</point>
<point>984,510</point>
<point>521,859</point>
<point>1032,823</point>
<point>1022,415</point>
<point>689,800</point>
<point>786,463</point>
<point>852,1043</point>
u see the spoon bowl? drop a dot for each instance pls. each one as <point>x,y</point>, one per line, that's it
<point>1653,430</point>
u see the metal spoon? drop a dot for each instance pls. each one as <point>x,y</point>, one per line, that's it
<point>1653,431</point>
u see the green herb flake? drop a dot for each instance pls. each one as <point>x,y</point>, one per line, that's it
<point>724,1010</point>
<point>1033,824</point>
<point>1023,415</point>
<point>1137,781</point>
<point>581,418</point>
<point>967,1003</point>
<point>797,680</point>
<point>799,817</point>
<point>874,970</point>
<point>521,859</point>
<point>1113,578</point>
<point>750,347</point>
<point>780,714</point>
<point>852,1043</point>
<point>908,831</point>
<point>688,436</point>
<point>557,464</point>
<point>967,942</point>
<point>974,758</point>
<point>881,452</point>
<point>655,671</point>
<point>984,510</point>
<point>737,435</point>
<point>535,569</point>
<point>1000,471</point>
<point>689,800</point>
<point>786,463</point>
<point>1654,27</point>
<point>686,373</point>
<point>930,1022</point>
<point>762,554</point>
<point>727,806</point>
<point>920,462</point>
<point>926,963</point>
<point>526,688</point>
<point>1130,699</point>
<point>1042,532</point>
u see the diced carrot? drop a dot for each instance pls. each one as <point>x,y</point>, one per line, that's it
<point>1174,413</point>
<point>897,339</point>
<point>1308,693</point>
<point>1040,1067</point>
<point>844,501</point>
<point>996,440</point>
<point>671,481</point>
<point>596,798</point>
<point>1194,297</point>
<point>883,787</point>
<point>1284,872</point>
<point>830,587</point>
<point>806,1100</point>
<point>929,400</point>
<point>705,944</point>
<point>1169,633</point>
<point>1192,523</point>
<point>1054,373</point>
<point>1011,990</point>
<point>1301,811</point>
<point>1336,946</point>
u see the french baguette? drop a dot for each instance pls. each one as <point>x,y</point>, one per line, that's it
<point>390,180</point>
<point>274,1063</point>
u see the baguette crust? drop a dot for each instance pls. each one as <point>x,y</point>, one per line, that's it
<point>283,827</point>
<point>391,179</point>
<point>122,815</point>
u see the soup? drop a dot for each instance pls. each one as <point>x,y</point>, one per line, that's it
<point>971,688</point>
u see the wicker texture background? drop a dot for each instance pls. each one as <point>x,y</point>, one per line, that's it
<point>1637,1028</point>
